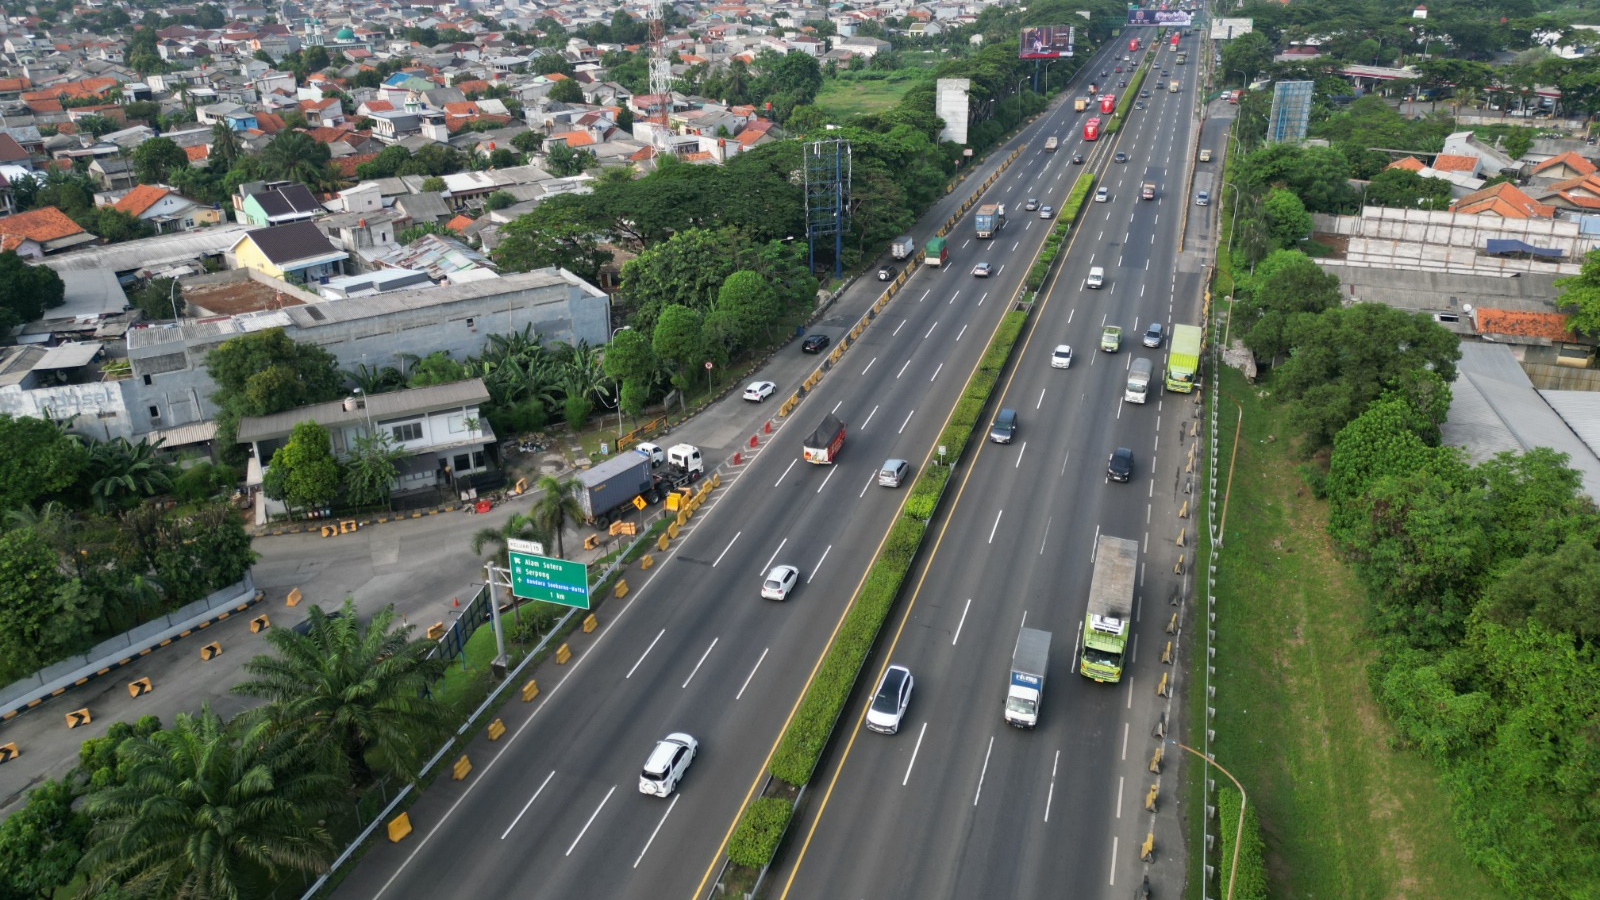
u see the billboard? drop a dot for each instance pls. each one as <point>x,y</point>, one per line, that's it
<point>1048,42</point>
<point>1179,17</point>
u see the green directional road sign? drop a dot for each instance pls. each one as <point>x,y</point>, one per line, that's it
<point>560,581</point>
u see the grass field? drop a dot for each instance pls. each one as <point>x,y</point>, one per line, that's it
<point>844,98</point>
<point>1343,815</point>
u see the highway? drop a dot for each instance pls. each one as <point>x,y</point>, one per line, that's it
<point>554,807</point>
<point>959,804</point>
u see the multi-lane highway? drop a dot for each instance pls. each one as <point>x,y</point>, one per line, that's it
<point>554,808</point>
<point>958,804</point>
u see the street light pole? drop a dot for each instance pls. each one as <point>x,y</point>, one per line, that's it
<point>1020,82</point>
<point>1233,868</point>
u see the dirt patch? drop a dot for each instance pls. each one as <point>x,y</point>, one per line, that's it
<point>1338,245</point>
<point>234,298</point>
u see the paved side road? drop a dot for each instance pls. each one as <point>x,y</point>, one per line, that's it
<point>419,565</point>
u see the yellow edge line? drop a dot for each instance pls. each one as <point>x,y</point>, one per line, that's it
<point>911,604</point>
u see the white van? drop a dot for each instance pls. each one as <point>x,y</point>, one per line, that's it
<point>1096,279</point>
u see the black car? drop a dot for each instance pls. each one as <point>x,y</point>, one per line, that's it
<point>1120,157</point>
<point>1077,159</point>
<point>814,343</point>
<point>1120,468</point>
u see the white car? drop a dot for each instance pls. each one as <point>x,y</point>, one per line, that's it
<point>1102,195</point>
<point>1061,357</point>
<point>780,581</point>
<point>981,270</point>
<point>759,390</point>
<point>890,700</point>
<point>665,766</point>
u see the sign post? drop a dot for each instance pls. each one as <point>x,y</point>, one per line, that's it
<point>535,576</point>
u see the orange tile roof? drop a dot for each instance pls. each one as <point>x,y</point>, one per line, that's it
<point>378,106</point>
<point>1569,159</point>
<point>328,134</point>
<point>1447,162</point>
<point>44,224</point>
<point>141,198</point>
<point>1410,164</point>
<point>346,165</point>
<point>198,153</point>
<point>15,84</point>
<point>10,241</point>
<point>459,223</point>
<point>573,138</point>
<point>269,123</point>
<point>1504,200</point>
<point>461,108</point>
<point>1551,326</point>
<point>472,84</point>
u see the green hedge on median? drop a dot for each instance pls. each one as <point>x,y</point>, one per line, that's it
<point>1054,241</point>
<point>756,837</point>
<point>1250,879</point>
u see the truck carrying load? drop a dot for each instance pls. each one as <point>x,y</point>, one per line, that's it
<point>1079,104</point>
<point>1106,625</point>
<point>990,218</point>
<point>935,254</point>
<point>824,444</point>
<point>903,246</point>
<point>1138,389</point>
<point>1050,144</point>
<point>1029,662</point>
<point>608,488</point>
<point>1183,360</point>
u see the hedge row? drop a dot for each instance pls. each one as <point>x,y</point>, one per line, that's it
<point>1125,102</point>
<point>1250,879</point>
<point>760,829</point>
<point>1057,236</point>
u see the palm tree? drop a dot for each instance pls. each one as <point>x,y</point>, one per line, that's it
<point>124,471</point>
<point>225,146</point>
<point>208,810</point>
<point>520,527</point>
<point>375,379</point>
<point>355,695</point>
<point>295,156</point>
<point>582,373</point>
<point>556,508</point>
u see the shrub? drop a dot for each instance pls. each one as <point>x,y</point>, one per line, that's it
<point>203,481</point>
<point>755,839</point>
<point>576,409</point>
<point>1250,879</point>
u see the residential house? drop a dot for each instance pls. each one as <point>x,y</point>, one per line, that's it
<point>322,113</point>
<point>112,173</point>
<point>237,117</point>
<point>298,253</point>
<point>1505,200</point>
<point>392,127</point>
<point>164,208</point>
<point>1491,160</point>
<point>257,203</point>
<point>47,228</point>
<point>440,431</point>
<point>1577,194</point>
<point>1557,168</point>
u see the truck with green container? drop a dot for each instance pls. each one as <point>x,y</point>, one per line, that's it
<point>1183,360</point>
<point>935,253</point>
<point>1110,612</point>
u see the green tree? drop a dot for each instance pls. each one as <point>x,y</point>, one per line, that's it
<point>679,342</point>
<point>566,91</point>
<point>155,159</point>
<point>225,146</point>
<point>122,473</point>
<point>528,141</point>
<point>40,460</point>
<point>370,471</point>
<point>436,368</point>
<point>356,696</point>
<point>433,184</point>
<point>206,810</point>
<point>1287,285</point>
<point>303,473</point>
<point>519,526</point>
<point>114,226</point>
<point>687,270</point>
<point>750,302</point>
<point>41,843</point>
<point>43,614</point>
<point>553,235</point>
<point>162,298</point>
<point>556,508</point>
<point>1246,56</point>
<point>1559,589</point>
<point>26,291</point>
<point>1405,189</point>
<point>1580,296</point>
<point>565,162</point>
<point>295,156</point>
<point>1288,218</point>
<point>265,372</point>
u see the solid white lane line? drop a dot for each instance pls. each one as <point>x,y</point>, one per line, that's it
<point>914,750</point>
<point>524,810</point>
<point>957,636</point>
<point>701,662</point>
<point>644,654</point>
<point>726,549</point>
<point>591,820</point>
<point>752,673</point>
<point>984,772</point>
<point>657,830</point>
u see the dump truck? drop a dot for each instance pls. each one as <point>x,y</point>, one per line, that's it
<point>824,444</point>
<point>1138,388</point>
<point>990,218</point>
<point>1183,360</point>
<point>1106,625</point>
<point>1029,661</point>
<point>607,489</point>
<point>903,246</point>
<point>1111,338</point>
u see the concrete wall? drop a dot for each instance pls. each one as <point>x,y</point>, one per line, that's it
<point>1433,292</point>
<point>1416,239</point>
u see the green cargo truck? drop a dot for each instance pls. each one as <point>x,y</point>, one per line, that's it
<point>1183,361</point>
<point>935,254</point>
<point>1106,626</point>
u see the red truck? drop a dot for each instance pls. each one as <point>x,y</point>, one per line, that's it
<point>1133,45</point>
<point>825,443</point>
<point>1108,104</point>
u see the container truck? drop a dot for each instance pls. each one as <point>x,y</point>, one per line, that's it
<point>1091,129</point>
<point>1174,39</point>
<point>1105,627</point>
<point>1108,104</point>
<point>1183,360</point>
<point>824,444</point>
<point>990,218</point>
<point>1029,661</point>
<point>934,254</point>
<point>608,488</point>
<point>1138,381</point>
<point>903,246</point>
